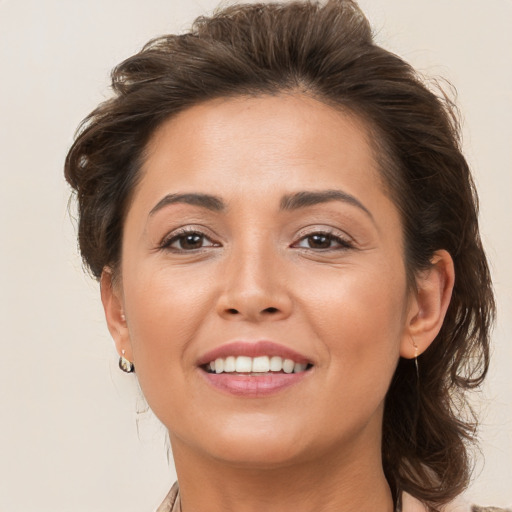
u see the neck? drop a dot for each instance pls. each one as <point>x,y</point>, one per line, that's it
<point>329,483</point>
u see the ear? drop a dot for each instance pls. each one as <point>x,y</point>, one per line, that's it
<point>111,297</point>
<point>428,305</point>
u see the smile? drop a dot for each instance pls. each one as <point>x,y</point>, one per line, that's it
<point>254,369</point>
<point>255,366</point>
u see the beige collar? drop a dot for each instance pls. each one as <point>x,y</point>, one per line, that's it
<point>409,504</point>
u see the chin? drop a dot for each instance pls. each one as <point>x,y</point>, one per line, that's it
<point>253,444</point>
<point>264,455</point>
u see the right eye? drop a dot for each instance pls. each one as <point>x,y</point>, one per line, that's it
<point>188,241</point>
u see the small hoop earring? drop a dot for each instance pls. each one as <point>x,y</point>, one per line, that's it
<point>125,365</point>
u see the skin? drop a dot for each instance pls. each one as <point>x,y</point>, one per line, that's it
<point>258,273</point>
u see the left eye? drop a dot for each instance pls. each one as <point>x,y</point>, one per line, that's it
<point>323,241</point>
<point>188,242</point>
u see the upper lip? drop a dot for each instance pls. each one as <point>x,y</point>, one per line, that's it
<point>252,349</point>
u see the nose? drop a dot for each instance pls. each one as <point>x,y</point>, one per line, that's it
<point>254,288</point>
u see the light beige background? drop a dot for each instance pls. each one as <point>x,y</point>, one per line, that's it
<point>69,435</point>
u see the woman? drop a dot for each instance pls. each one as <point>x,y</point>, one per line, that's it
<point>285,232</point>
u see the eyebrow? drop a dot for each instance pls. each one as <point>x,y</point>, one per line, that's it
<point>289,202</point>
<point>203,200</point>
<point>311,198</point>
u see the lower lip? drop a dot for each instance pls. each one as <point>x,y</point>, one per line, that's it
<point>252,386</point>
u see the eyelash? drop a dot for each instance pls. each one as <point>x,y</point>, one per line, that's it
<point>343,243</point>
<point>180,236</point>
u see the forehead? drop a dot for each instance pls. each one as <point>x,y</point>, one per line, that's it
<point>288,137</point>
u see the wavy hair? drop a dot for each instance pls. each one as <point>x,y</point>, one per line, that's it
<point>326,51</point>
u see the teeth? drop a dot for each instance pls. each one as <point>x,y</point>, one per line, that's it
<point>261,364</point>
<point>288,366</point>
<point>243,364</point>
<point>276,364</point>
<point>299,367</point>
<point>255,365</point>
<point>230,364</point>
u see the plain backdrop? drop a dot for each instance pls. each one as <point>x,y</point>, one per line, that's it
<point>71,438</point>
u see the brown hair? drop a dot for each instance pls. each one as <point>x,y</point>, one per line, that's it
<point>328,52</point>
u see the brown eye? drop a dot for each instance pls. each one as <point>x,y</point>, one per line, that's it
<point>319,241</point>
<point>187,241</point>
<point>323,241</point>
<point>190,242</point>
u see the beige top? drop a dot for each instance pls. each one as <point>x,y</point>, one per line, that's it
<point>172,501</point>
<point>410,504</point>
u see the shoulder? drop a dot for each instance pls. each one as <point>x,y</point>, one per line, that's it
<point>171,502</point>
<point>476,508</point>
<point>411,504</point>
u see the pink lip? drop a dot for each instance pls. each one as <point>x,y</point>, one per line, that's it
<point>250,386</point>
<point>252,349</point>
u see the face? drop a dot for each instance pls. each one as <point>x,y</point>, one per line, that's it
<point>261,240</point>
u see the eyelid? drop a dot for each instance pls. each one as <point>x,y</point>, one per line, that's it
<point>345,241</point>
<point>325,230</point>
<point>175,234</point>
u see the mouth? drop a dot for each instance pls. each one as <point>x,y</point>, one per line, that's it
<point>255,366</point>
<point>254,369</point>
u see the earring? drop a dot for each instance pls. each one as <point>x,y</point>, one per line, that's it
<point>416,357</point>
<point>125,365</point>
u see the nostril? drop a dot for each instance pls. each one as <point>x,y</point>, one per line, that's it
<point>270,311</point>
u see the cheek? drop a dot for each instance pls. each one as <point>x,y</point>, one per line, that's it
<point>360,318</point>
<point>363,346</point>
<point>164,312</point>
<point>163,304</point>
<point>356,300</point>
